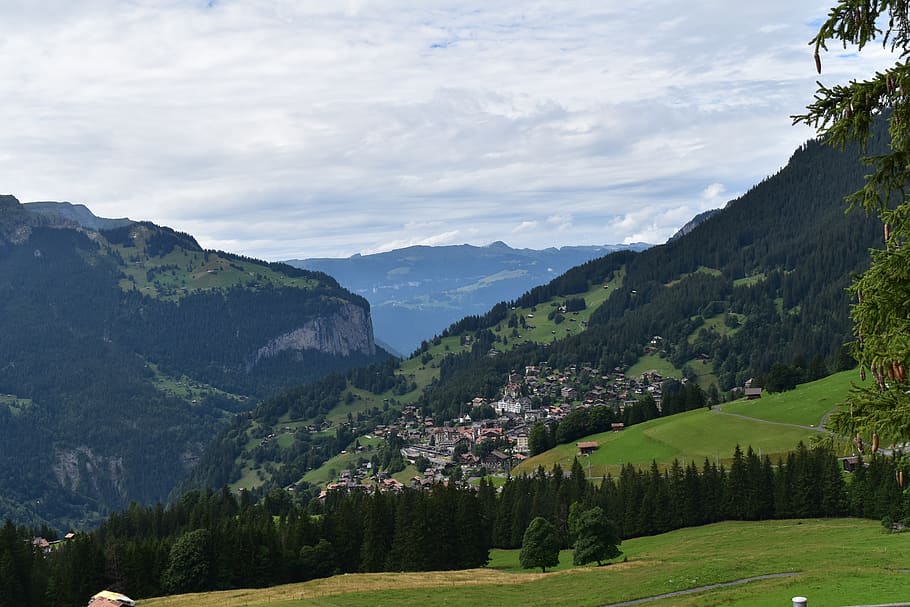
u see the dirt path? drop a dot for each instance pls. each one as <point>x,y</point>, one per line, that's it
<point>702,589</point>
<point>819,428</point>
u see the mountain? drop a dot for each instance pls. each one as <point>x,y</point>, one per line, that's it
<point>417,291</point>
<point>693,223</point>
<point>125,349</point>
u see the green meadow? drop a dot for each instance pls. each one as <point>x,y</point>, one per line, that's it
<point>772,425</point>
<point>833,562</point>
<point>806,405</point>
<point>691,436</point>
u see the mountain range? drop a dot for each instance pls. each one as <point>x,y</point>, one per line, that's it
<point>418,291</point>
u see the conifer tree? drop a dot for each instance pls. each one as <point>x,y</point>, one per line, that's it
<point>845,114</point>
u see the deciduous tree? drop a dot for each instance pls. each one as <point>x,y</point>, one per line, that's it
<point>540,545</point>
<point>596,537</point>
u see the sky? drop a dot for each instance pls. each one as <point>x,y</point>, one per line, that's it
<point>290,129</point>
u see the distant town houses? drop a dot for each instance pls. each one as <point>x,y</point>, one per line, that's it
<point>477,446</point>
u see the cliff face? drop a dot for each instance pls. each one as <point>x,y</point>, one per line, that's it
<point>345,332</point>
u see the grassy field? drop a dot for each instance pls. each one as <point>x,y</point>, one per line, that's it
<point>323,474</point>
<point>15,404</point>
<point>541,329</point>
<point>181,272</point>
<point>805,405</point>
<point>691,436</point>
<point>653,362</point>
<point>834,562</point>
<point>772,425</point>
<point>186,388</point>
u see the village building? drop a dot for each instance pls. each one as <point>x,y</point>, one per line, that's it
<point>587,447</point>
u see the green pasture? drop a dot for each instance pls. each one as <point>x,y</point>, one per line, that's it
<point>833,562</point>
<point>321,475</point>
<point>195,271</point>
<point>691,436</point>
<point>186,388</point>
<point>541,329</point>
<point>15,404</point>
<point>653,362</point>
<point>700,270</point>
<point>805,405</point>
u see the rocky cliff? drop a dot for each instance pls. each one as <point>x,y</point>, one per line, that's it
<point>347,331</point>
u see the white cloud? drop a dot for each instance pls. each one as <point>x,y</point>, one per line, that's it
<point>525,226</point>
<point>289,129</point>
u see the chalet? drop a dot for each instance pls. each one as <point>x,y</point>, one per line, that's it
<point>106,598</point>
<point>587,447</point>
<point>753,393</point>
<point>496,460</point>
<point>391,485</point>
<point>569,393</point>
<point>617,426</point>
<point>468,459</point>
<point>851,463</point>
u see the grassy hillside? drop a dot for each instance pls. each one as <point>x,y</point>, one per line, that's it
<point>806,405</point>
<point>772,425</point>
<point>835,562</point>
<point>188,269</point>
<point>691,436</point>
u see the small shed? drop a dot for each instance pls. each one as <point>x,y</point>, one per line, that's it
<point>753,393</point>
<point>587,447</point>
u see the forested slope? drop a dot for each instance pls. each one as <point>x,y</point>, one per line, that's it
<point>123,353</point>
<point>772,267</point>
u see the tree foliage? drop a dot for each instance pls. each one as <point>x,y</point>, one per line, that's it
<point>596,537</point>
<point>849,113</point>
<point>540,545</point>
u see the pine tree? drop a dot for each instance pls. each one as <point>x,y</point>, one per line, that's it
<point>848,113</point>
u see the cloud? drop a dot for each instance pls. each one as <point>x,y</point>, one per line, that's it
<point>713,192</point>
<point>525,226</point>
<point>307,129</point>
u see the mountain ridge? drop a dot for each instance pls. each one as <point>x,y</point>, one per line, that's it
<point>124,350</point>
<point>418,291</point>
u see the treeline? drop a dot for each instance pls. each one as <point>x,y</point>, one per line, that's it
<point>215,540</point>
